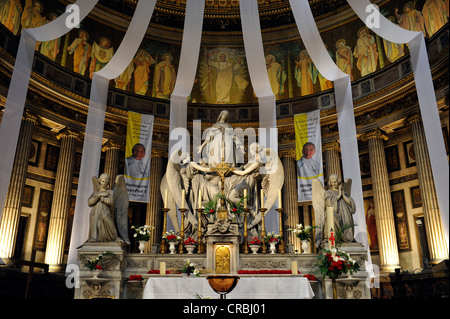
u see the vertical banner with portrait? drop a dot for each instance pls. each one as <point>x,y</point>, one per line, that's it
<point>138,155</point>
<point>308,144</point>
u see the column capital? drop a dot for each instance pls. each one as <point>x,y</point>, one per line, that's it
<point>112,144</point>
<point>375,134</point>
<point>68,132</point>
<point>331,146</point>
<point>31,116</point>
<point>413,119</point>
<point>287,153</point>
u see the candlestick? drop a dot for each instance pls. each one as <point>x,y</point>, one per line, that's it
<point>183,198</point>
<point>162,245</point>
<point>165,198</point>
<point>245,198</point>
<point>181,246</point>
<point>263,229</point>
<point>200,248</point>
<point>246,210</point>
<point>262,198</point>
<point>282,246</point>
<point>280,205</point>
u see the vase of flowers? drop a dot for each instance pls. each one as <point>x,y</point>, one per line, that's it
<point>190,244</point>
<point>142,234</point>
<point>334,263</point>
<point>304,233</point>
<point>189,268</point>
<point>254,244</point>
<point>95,265</point>
<point>172,239</point>
<point>272,240</point>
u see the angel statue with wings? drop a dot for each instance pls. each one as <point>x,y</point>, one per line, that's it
<point>338,197</point>
<point>108,219</point>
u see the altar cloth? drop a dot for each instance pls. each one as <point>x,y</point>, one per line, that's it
<point>288,287</point>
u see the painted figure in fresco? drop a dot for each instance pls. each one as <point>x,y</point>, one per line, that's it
<point>124,79</point>
<point>372,226</point>
<point>305,73</point>
<point>10,12</point>
<point>324,83</point>
<point>435,15</point>
<point>81,51</point>
<point>410,19</point>
<point>344,57</point>
<point>142,62</point>
<point>393,51</point>
<point>165,77</point>
<point>31,16</point>
<point>226,75</point>
<point>101,54</point>
<point>277,75</point>
<point>50,49</point>
<point>366,52</point>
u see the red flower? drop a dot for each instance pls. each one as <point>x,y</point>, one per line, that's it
<point>234,210</point>
<point>98,267</point>
<point>171,237</point>
<point>211,210</point>
<point>310,277</point>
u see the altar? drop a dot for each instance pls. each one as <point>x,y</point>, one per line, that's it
<point>272,287</point>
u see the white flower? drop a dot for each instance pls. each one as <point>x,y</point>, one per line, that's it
<point>336,258</point>
<point>196,272</point>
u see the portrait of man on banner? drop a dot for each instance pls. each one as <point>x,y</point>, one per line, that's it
<point>308,152</point>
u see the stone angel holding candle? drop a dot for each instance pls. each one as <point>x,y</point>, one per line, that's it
<point>108,219</point>
<point>337,196</point>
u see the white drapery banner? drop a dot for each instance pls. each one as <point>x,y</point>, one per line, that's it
<point>90,161</point>
<point>17,93</point>
<point>426,96</point>
<point>256,62</point>
<point>190,50</point>
<point>344,107</point>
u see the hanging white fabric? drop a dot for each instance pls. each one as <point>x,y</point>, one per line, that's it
<point>90,161</point>
<point>425,94</point>
<point>17,93</point>
<point>190,50</point>
<point>256,62</point>
<point>344,107</point>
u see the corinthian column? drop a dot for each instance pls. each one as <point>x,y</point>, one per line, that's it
<point>331,155</point>
<point>154,205</point>
<point>384,213</point>
<point>290,196</point>
<point>57,230</point>
<point>437,245</point>
<point>13,205</point>
<point>112,149</point>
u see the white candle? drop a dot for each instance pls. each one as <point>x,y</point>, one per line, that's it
<point>262,198</point>
<point>162,268</point>
<point>199,198</point>
<point>330,219</point>
<point>294,267</point>
<point>279,199</point>
<point>245,198</point>
<point>183,198</point>
<point>165,198</point>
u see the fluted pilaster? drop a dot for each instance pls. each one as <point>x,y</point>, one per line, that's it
<point>13,205</point>
<point>112,159</point>
<point>387,239</point>
<point>154,205</point>
<point>331,156</point>
<point>437,245</point>
<point>59,215</point>
<point>290,196</point>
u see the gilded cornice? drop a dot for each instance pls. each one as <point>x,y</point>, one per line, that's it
<point>374,134</point>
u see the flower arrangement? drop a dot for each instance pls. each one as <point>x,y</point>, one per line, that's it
<point>171,236</point>
<point>189,268</point>
<point>190,241</point>
<point>254,241</point>
<point>334,263</point>
<point>237,208</point>
<point>95,264</point>
<point>209,208</point>
<point>265,272</point>
<point>143,233</point>
<point>271,238</point>
<point>303,233</point>
<point>310,277</point>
